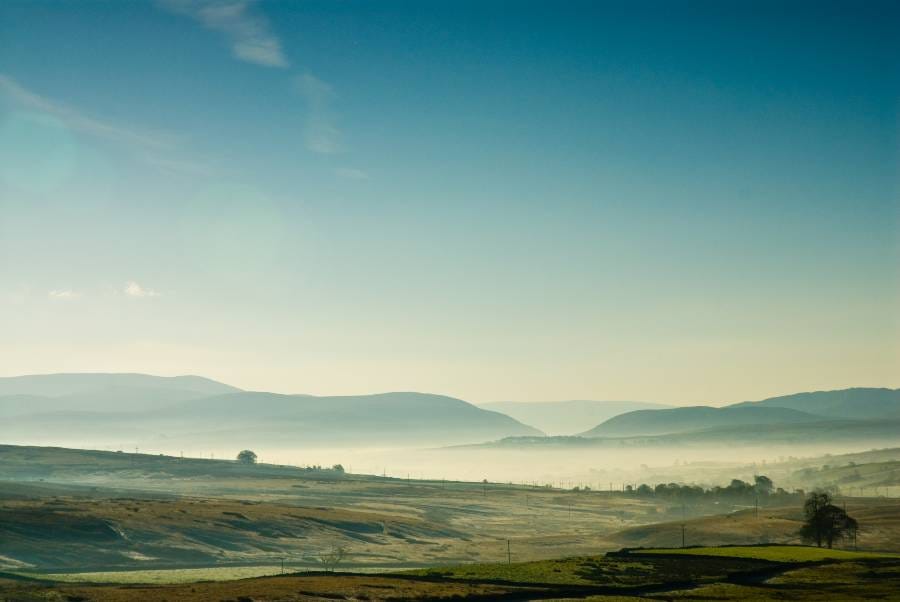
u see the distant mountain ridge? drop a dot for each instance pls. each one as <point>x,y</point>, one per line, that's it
<point>857,402</point>
<point>57,385</point>
<point>133,407</point>
<point>567,417</point>
<point>680,420</point>
<point>100,392</point>
<point>820,406</point>
<point>872,433</point>
<point>116,408</point>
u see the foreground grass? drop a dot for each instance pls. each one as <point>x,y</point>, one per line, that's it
<point>608,572</point>
<point>773,553</point>
<point>658,575</point>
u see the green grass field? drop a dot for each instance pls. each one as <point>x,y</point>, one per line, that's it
<point>772,553</point>
<point>738,573</point>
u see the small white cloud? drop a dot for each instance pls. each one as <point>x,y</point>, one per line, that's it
<point>133,289</point>
<point>321,135</point>
<point>351,174</point>
<point>249,34</point>
<point>64,294</point>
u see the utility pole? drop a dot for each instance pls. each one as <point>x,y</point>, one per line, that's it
<point>682,535</point>
<point>508,553</point>
<point>282,566</point>
<point>757,506</point>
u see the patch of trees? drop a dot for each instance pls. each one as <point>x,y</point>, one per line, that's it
<point>318,468</point>
<point>247,457</point>
<point>826,523</point>
<point>762,488</point>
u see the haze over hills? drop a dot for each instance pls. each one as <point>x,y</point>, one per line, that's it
<point>567,417</point>
<point>820,406</point>
<point>859,416</point>
<point>192,410</point>
<point>843,435</point>
<point>57,385</point>
<point>100,392</point>
<point>858,402</point>
<point>138,409</point>
<point>679,420</point>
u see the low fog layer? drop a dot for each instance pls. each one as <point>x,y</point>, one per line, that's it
<point>437,437</point>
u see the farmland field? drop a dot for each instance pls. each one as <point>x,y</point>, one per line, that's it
<point>775,553</point>
<point>660,575</point>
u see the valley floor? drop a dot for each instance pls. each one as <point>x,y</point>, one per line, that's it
<point>103,527</point>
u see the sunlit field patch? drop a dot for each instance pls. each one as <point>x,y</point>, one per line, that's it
<point>162,576</point>
<point>773,553</point>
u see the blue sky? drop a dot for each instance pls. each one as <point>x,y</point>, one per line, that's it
<point>681,202</point>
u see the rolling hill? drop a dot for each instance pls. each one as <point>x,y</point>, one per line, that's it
<point>855,403</point>
<point>268,420</point>
<point>679,420</point>
<point>100,392</point>
<point>567,417</point>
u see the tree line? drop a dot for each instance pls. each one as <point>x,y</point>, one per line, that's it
<point>762,488</point>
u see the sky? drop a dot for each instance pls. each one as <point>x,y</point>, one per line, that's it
<point>681,202</point>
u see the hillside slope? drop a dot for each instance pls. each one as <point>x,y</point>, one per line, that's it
<point>267,420</point>
<point>100,392</point>
<point>855,403</point>
<point>679,420</point>
<point>567,417</point>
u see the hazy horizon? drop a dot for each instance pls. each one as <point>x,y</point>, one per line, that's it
<point>713,403</point>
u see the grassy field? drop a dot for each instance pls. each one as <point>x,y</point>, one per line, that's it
<point>774,553</point>
<point>721,574</point>
<point>598,571</point>
<point>101,526</point>
<point>879,520</point>
<point>73,510</point>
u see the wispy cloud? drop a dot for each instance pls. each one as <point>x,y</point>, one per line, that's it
<point>249,34</point>
<point>77,121</point>
<point>351,173</point>
<point>157,148</point>
<point>64,294</point>
<point>321,135</point>
<point>133,289</point>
